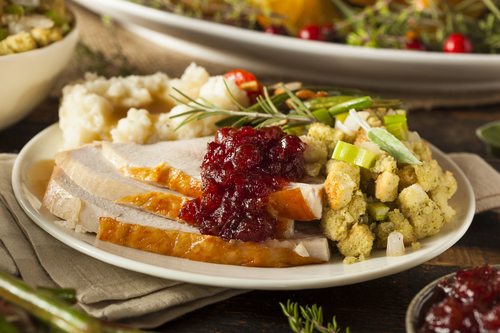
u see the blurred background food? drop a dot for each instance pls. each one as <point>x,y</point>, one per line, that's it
<point>451,26</point>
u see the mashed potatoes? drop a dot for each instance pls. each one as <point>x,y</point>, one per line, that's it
<point>138,108</point>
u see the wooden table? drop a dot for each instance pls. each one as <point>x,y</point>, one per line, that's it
<point>375,306</point>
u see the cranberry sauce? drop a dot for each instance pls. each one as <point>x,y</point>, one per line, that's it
<point>471,304</point>
<point>239,171</point>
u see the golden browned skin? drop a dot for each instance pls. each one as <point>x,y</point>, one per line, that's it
<point>169,205</point>
<point>287,203</point>
<point>164,204</point>
<point>198,247</point>
<point>167,176</point>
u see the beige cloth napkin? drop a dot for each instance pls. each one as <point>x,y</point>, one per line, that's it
<point>112,293</point>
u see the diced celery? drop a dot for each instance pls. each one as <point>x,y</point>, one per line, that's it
<point>324,116</point>
<point>377,210</point>
<point>341,116</point>
<point>351,154</point>
<point>388,142</point>
<point>396,124</point>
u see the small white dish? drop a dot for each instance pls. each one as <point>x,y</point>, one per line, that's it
<point>27,177</point>
<point>360,67</point>
<point>26,78</point>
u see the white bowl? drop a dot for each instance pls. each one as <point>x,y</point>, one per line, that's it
<point>26,78</point>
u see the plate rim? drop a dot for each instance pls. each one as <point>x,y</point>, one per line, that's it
<point>229,282</point>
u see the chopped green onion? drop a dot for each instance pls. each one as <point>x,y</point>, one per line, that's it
<point>397,125</point>
<point>378,211</point>
<point>324,116</point>
<point>326,102</point>
<point>387,142</point>
<point>351,154</point>
<point>360,103</point>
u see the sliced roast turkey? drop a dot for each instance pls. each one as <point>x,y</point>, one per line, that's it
<point>176,165</point>
<point>128,226</point>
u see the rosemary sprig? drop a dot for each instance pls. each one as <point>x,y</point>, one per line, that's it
<point>308,319</point>
<point>263,113</point>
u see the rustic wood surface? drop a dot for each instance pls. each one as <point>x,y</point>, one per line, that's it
<point>374,306</point>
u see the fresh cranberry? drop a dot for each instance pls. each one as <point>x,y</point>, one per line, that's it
<point>239,171</point>
<point>311,32</point>
<point>457,43</point>
<point>414,44</point>
<point>276,30</point>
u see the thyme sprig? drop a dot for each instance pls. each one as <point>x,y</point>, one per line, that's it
<point>309,319</point>
<point>265,112</point>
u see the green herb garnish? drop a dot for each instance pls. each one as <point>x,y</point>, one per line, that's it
<point>309,319</point>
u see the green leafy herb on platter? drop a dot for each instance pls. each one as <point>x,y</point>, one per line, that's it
<point>309,319</point>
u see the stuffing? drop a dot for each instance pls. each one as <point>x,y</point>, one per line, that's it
<point>428,174</point>
<point>422,150</point>
<point>313,169</point>
<point>406,176</point>
<point>20,42</point>
<point>397,222</point>
<point>326,134</point>
<point>316,150</point>
<point>386,187</point>
<point>385,162</point>
<point>423,213</point>
<point>136,127</point>
<point>353,171</point>
<point>339,188</point>
<point>336,223</point>
<point>46,36</point>
<point>443,192</point>
<point>358,243</point>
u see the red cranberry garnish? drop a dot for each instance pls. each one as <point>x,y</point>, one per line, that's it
<point>311,32</point>
<point>276,30</point>
<point>457,43</point>
<point>239,171</point>
<point>415,44</point>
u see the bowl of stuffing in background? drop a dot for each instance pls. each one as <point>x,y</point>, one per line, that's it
<point>37,40</point>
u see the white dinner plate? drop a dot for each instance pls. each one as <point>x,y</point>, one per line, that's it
<point>361,67</point>
<point>28,175</point>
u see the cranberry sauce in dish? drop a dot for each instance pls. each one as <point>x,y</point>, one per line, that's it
<point>471,303</point>
<point>239,171</point>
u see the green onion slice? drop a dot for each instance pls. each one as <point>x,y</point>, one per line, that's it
<point>360,103</point>
<point>324,116</point>
<point>377,210</point>
<point>351,154</point>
